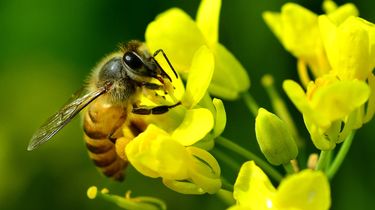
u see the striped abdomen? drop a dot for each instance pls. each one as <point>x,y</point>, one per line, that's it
<point>102,125</point>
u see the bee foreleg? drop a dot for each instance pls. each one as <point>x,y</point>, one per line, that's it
<point>152,86</point>
<point>155,110</point>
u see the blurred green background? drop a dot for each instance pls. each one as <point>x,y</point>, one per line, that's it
<point>47,49</point>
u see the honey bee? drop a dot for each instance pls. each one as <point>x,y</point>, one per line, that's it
<point>112,94</point>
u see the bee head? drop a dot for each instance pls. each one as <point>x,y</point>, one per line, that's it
<point>140,68</point>
<point>140,65</point>
<point>126,72</point>
<point>134,67</point>
<point>131,65</point>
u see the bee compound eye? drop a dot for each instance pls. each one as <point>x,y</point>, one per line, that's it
<point>132,60</point>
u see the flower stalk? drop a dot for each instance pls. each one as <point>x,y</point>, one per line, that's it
<point>250,103</point>
<point>323,160</point>
<point>226,143</point>
<point>339,159</point>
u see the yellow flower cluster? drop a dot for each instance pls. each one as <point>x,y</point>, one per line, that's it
<point>339,49</point>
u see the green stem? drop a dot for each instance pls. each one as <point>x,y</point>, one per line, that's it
<point>250,103</point>
<point>226,196</point>
<point>280,107</point>
<point>138,203</point>
<point>288,168</point>
<point>225,159</point>
<point>329,160</point>
<point>225,185</point>
<point>340,156</point>
<point>247,154</point>
<point>323,160</point>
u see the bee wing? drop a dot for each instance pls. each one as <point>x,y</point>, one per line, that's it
<point>57,121</point>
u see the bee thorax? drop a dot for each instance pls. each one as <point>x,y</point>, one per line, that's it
<point>122,91</point>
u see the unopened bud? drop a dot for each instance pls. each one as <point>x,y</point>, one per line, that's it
<point>92,192</point>
<point>275,140</point>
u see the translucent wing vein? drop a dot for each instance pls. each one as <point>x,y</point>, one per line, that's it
<point>57,121</point>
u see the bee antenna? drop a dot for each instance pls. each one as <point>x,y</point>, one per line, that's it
<point>166,58</point>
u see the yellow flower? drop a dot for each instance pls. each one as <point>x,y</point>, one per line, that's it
<point>307,190</point>
<point>327,103</point>
<point>298,30</point>
<point>334,104</point>
<point>181,37</point>
<point>172,146</point>
<point>188,170</point>
<point>350,47</point>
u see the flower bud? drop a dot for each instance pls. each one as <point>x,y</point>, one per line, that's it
<point>274,138</point>
<point>92,192</point>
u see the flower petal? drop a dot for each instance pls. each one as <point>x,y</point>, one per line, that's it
<point>178,35</point>
<point>253,189</point>
<point>208,20</point>
<point>372,46</point>
<point>134,152</point>
<point>220,118</point>
<point>195,126</point>
<point>183,187</point>
<point>296,28</point>
<point>351,54</point>
<point>204,170</point>
<point>340,14</point>
<point>328,35</point>
<point>273,21</point>
<point>230,77</point>
<point>308,190</point>
<point>318,136</point>
<point>154,153</point>
<point>329,6</point>
<point>335,101</point>
<point>199,78</point>
<point>299,99</point>
<point>300,30</point>
<point>371,102</point>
